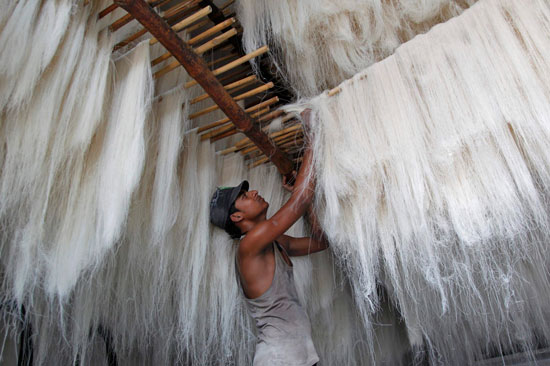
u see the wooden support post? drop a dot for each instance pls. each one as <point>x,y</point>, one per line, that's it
<point>197,69</point>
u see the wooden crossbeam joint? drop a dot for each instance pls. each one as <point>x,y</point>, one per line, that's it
<point>196,67</point>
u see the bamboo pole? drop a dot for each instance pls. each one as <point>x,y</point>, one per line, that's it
<point>233,64</point>
<point>107,10</point>
<point>223,135</point>
<point>197,69</point>
<point>273,135</point>
<point>248,110</point>
<point>271,115</point>
<point>213,30</point>
<point>246,141</point>
<point>235,73</point>
<point>218,131</point>
<point>187,21</point>
<point>141,32</point>
<point>198,25</point>
<point>245,81</point>
<point>125,19</point>
<point>176,9</point>
<point>242,96</point>
<point>226,4</point>
<point>285,147</point>
<point>287,137</point>
<point>334,91</point>
<point>215,41</point>
<point>200,50</point>
<point>230,126</point>
<point>225,129</point>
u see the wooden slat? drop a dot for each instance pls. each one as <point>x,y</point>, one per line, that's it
<point>233,64</point>
<point>242,96</point>
<point>187,21</point>
<point>197,69</point>
<point>209,32</point>
<point>248,110</point>
<point>247,80</point>
<point>200,50</point>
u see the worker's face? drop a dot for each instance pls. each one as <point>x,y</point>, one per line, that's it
<point>251,204</point>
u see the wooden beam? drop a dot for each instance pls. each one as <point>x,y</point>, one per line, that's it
<point>197,69</point>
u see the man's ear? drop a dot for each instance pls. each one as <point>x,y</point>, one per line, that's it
<point>237,216</point>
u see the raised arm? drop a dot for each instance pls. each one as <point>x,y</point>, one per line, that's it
<point>308,245</point>
<point>266,232</point>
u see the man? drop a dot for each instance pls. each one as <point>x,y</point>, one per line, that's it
<point>265,269</point>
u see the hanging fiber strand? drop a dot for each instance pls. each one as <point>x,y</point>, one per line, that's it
<point>435,162</point>
<point>316,45</point>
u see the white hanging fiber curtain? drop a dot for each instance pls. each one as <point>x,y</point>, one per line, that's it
<point>317,44</point>
<point>436,162</point>
<point>46,130</point>
<point>104,211</point>
<point>440,193</point>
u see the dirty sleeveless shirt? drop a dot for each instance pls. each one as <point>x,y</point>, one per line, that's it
<point>284,331</point>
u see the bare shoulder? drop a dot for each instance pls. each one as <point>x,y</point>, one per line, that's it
<point>256,269</point>
<point>256,241</point>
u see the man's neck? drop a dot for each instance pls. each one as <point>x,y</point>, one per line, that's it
<point>250,224</point>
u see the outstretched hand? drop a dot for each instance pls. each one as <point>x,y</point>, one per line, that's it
<point>289,185</point>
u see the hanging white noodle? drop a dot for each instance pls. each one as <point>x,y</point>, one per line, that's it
<point>315,44</point>
<point>437,159</point>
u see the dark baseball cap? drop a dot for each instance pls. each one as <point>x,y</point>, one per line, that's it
<point>221,203</point>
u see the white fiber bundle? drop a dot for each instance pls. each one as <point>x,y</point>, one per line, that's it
<point>165,200</point>
<point>123,153</point>
<point>43,160</point>
<point>315,44</point>
<point>432,174</point>
<point>26,61</point>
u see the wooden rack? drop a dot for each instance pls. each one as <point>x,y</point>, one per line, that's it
<point>194,15</point>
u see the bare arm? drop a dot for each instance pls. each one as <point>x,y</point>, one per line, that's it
<point>266,232</point>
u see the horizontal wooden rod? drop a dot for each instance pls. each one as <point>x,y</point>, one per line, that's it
<point>178,8</point>
<point>247,80</point>
<point>215,41</point>
<point>223,135</point>
<point>139,33</point>
<point>130,39</point>
<point>200,50</point>
<point>248,110</point>
<point>126,18</point>
<point>230,56</point>
<point>211,31</point>
<point>242,96</point>
<point>225,129</point>
<point>289,147</point>
<point>271,115</point>
<point>187,21</point>
<point>197,39</point>
<point>119,23</point>
<point>218,131</point>
<point>291,135</point>
<point>260,162</point>
<point>197,69</point>
<point>292,140</point>
<point>107,10</point>
<point>246,141</point>
<point>226,4</point>
<point>233,64</point>
<point>229,126</point>
<point>198,25</point>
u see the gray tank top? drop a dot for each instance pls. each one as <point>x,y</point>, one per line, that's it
<point>284,331</point>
